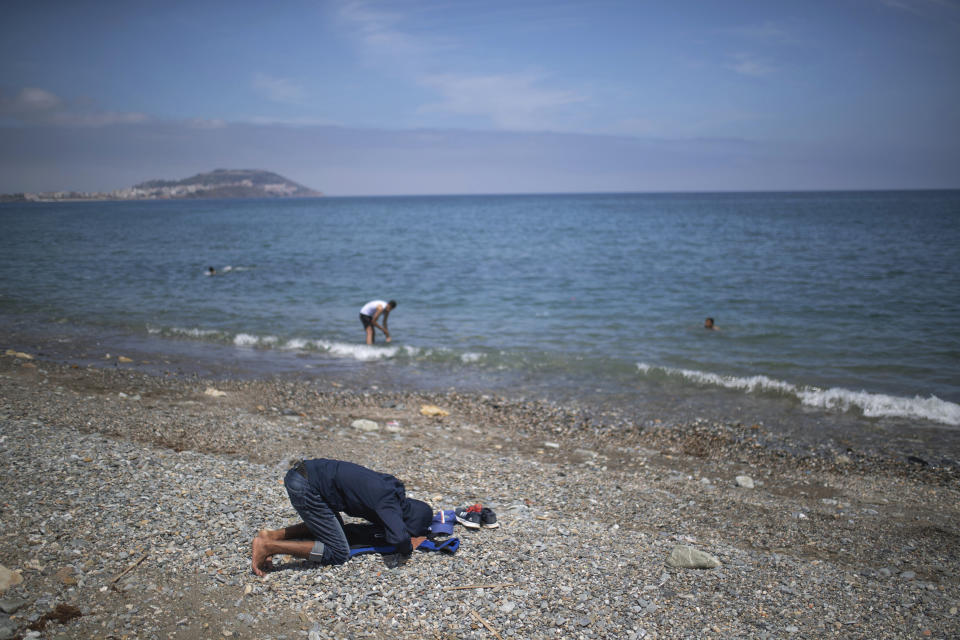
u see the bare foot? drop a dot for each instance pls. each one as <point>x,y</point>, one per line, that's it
<point>259,557</point>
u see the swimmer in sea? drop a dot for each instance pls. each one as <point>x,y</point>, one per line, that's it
<point>708,324</point>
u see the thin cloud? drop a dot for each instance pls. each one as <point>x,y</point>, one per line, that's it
<point>101,118</point>
<point>289,122</point>
<point>205,123</point>
<point>511,101</point>
<point>946,12</point>
<point>921,7</point>
<point>635,127</point>
<point>378,32</point>
<point>33,105</point>
<point>747,64</point>
<point>283,90</point>
<point>507,100</point>
<point>34,100</point>
<point>766,33</point>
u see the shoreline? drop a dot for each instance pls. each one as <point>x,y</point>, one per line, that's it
<point>784,426</point>
<point>158,467</point>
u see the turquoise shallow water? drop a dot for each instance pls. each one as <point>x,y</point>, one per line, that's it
<point>837,303</point>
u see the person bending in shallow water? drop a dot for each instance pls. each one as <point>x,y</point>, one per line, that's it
<point>371,312</point>
<point>319,490</point>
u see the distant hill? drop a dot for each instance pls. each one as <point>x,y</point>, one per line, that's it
<point>220,183</point>
<point>228,183</point>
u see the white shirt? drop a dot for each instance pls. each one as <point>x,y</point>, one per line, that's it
<point>371,307</point>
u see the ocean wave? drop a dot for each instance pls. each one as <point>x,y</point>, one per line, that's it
<point>246,340</point>
<point>872,405</point>
<point>876,405</point>
<point>362,352</point>
<point>189,333</point>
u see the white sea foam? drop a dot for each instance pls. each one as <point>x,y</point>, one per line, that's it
<point>877,405</point>
<point>249,340</point>
<point>873,405</point>
<point>180,331</point>
<point>245,340</point>
<point>470,356</point>
<point>360,352</point>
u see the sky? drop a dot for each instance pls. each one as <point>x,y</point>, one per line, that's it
<point>449,96</point>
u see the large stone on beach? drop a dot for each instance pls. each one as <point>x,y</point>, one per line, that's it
<point>65,575</point>
<point>8,628</point>
<point>365,425</point>
<point>9,578</point>
<point>11,605</point>
<point>744,481</point>
<point>216,393</point>
<point>685,557</point>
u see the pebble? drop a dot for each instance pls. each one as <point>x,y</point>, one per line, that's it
<point>10,605</point>
<point>686,557</point>
<point>150,507</point>
<point>9,578</point>
<point>8,628</point>
<point>365,425</point>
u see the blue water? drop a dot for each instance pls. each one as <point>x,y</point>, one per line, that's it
<point>838,303</point>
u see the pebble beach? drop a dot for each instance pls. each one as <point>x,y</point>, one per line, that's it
<point>129,501</point>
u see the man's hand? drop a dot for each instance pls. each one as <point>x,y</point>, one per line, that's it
<point>395,560</point>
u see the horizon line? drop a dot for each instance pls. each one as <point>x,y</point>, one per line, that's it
<point>328,196</point>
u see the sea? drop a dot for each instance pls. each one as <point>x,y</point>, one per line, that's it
<point>837,314</point>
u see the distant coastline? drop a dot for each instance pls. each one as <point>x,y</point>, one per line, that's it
<point>220,183</point>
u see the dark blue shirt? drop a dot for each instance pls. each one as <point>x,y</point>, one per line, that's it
<point>362,493</point>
